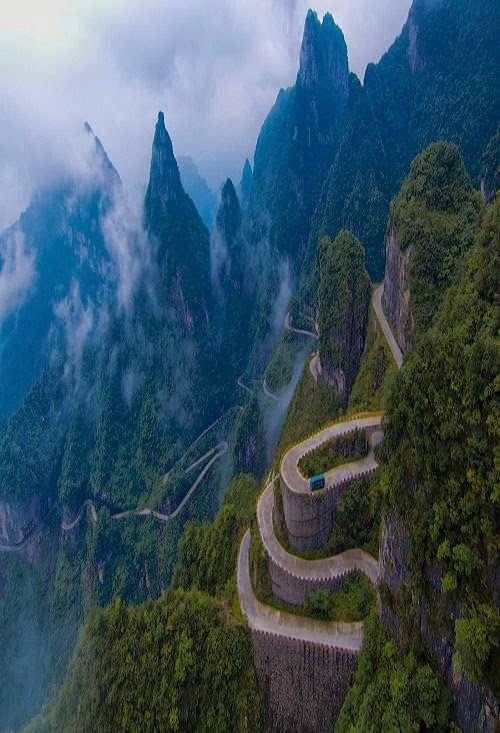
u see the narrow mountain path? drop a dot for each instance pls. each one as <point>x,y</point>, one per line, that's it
<point>390,338</point>
<point>315,367</point>
<point>244,386</point>
<point>219,451</point>
<point>304,573</point>
<point>300,331</point>
<point>268,392</point>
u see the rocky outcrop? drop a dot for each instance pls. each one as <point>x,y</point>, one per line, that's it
<point>344,299</point>
<point>416,57</point>
<point>396,298</point>
<point>17,520</point>
<point>476,709</point>
<point>323,54</point>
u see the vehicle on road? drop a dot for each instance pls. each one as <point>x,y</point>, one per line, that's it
<point>317,482</point>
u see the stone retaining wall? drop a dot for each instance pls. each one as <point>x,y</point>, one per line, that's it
<point>303,684</point>
<point>310,517</point>
<point>294,590</point>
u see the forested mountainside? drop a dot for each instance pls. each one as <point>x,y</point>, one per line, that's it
<point>57,255</point>
<point>438,81</point>
<point>433,656</point>
<point>175,373</point>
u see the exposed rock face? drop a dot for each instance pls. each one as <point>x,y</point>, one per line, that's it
<point>323,54</point>
<point>476,710</point>
<point>164,178</point>
<point>419,8</point>
<point>181,240</point>
<point>344,300</point>
<point>18,520</point>
<point>304,685</point>
<point>246,182</point>
<point>396,300</point>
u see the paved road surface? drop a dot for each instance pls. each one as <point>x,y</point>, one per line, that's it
<point>221,449</point>
<point>266,619</point>
<point>300,331</point>
<point>269,620</point>
<point>297,483</point>
<point>393,344</point>
<point>327,568</point>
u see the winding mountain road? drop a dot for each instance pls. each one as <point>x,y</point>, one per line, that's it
<point>300,331</point>
<point>308,570</point>
<point>268,392</point>
<point>219,451</point>
<point>271,621</point>
<point>314,572</point>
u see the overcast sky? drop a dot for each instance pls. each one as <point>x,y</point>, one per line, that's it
<point>214,67</point>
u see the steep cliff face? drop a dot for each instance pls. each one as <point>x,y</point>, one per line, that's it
<point>404,611</point>
<point>17,520</point>
<point>438,542</point>
<point>183,248</point>
<point>432,224</point>
<point>438,81</point>
<point>233,286</point>
<point>299,139</point>
<point>343,303</point>
<point>396,299</point>
<point>59,240</point>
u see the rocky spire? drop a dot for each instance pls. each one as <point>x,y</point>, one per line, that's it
<point>323,56</point>
<point>246,180</point>
<point>228,220</point>
<point>165,185</point>
<point>107,166</point>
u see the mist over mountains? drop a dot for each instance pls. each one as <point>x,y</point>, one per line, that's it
<point>160,354</point>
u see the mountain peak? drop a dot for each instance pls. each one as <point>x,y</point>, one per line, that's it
<point>246,180</point>
<point>102,156</point>
<point>229,214</point>
<point>323,54</point>
<point>164,178</point>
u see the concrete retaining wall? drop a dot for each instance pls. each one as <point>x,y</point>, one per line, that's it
<point>303,684</point>
<point>310,517</point>
<point>294,590</point>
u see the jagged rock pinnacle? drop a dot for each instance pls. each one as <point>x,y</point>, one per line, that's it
<point>323,55</point>
<point>246,180</point>
<point>229,215</point>
<point>164,178</point>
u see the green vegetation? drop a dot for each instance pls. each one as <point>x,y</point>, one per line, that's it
<point>208,552</point>
<point>339,450</point>
<point>436,213</point>
<point>422,90</point>
<point>179,664</point>
<point>352,602</point>
<point>313,405</point>
<point>441,451</point>
<point>343,302</point>
<point>279,372</point>
<point>393,691</point>
<point>376,372</point>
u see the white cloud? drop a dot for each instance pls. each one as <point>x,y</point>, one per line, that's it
<point>213,66</point>
<point>17,272</point>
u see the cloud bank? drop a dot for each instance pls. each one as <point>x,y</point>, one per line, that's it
<point>214,66</point>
